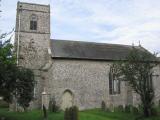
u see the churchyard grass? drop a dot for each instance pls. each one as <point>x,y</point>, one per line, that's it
<point>95,114</point>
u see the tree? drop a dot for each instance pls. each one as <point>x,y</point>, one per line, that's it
<point>14,80</point>
<point>7,69</point>
<point>24,87</point>
<point>138,71</point>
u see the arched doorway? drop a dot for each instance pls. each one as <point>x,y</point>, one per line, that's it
<point>67,99</point>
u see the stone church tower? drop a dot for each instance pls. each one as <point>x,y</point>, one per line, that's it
<point>32,36</point>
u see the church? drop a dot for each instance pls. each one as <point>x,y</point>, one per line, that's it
<point>70,72</point>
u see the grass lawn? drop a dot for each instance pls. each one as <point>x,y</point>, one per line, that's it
<point>95,114</point>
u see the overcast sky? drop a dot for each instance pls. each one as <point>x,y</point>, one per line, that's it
<point>109,21</point>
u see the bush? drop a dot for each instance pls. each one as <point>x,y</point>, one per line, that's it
<point>103,106</point>
<point>71,113</point>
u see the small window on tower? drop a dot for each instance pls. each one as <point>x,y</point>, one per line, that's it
<point>33,22</point>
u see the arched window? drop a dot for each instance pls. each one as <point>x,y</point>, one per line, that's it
<point>33,22</point>
<point>114,83</point>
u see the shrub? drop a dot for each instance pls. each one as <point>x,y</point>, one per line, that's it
<point>103,106</point>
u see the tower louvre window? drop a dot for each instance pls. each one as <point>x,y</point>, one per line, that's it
<point>33,25</point>
<point>33,22</point>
